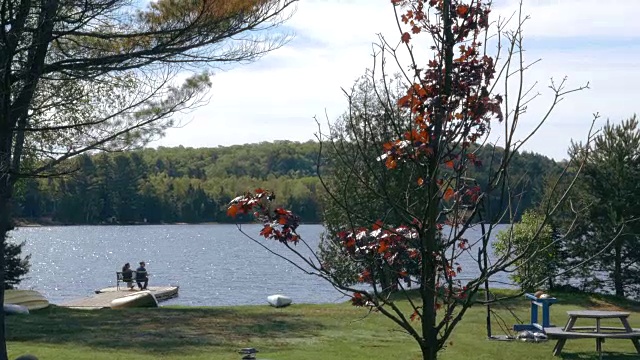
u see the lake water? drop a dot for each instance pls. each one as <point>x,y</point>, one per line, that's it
<point>214,265</point>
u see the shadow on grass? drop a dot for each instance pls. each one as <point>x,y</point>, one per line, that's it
<point>578,299</point>
<point>594,356</point>
<point>591,300</point>
<point>163,330</point>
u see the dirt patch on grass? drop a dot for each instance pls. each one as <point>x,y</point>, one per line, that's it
<point>599,304</point>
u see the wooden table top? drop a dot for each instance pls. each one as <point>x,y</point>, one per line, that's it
<point>598,314</point>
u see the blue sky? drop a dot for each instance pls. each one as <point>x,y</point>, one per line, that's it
<point>277,97</point>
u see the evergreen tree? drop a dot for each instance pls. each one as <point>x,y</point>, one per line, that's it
<point>15,266</point>
<point>607,195</point>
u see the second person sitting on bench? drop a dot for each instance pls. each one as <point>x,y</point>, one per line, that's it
<point>142,277</point>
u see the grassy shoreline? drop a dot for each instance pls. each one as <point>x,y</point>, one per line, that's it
<point>301,331</point>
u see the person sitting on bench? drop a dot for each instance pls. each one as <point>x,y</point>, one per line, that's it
<point>141,276</point>
<point>127,275</point>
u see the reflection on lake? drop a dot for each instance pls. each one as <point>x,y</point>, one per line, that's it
<point>212,264</point>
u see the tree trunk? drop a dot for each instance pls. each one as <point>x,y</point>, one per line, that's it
<point>5,226</point>
<point>429,246</point>
<point>617,275</point>
<point>485,264</point>
<point>5,198</point>
<point>430,241</point>
<point>429,352</point>
<point>429,344</point>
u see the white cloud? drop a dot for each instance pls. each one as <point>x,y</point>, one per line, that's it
<point>569,18</point>
<point>278,96</point>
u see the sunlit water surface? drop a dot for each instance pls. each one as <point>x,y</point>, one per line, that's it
<point>213,264</point>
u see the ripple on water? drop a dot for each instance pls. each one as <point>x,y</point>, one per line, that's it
<point>212,264</point>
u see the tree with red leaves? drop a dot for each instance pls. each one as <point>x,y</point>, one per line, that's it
<point>426,140</point>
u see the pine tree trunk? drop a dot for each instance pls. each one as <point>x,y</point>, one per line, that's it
<point>6,188</point>
<point>5,226</point>
<point>3,333</point>
<point>617,275</point>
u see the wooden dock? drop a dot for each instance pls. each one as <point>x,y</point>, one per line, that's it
<point>103,297</point>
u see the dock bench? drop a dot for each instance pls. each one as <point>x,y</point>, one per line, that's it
<point>594,332</point>
<point>120,278</point>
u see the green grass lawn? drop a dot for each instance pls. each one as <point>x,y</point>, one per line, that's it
<point>298,332</point>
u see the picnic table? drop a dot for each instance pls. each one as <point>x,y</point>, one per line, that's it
<point>600,333</point>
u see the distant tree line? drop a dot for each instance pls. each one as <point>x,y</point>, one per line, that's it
<point>194,185</point>
<point>171,185</point>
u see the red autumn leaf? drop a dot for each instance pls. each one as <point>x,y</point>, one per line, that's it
<point>383,247</point>
<point>391,163</point>
<point>403,274</point>
<point>420,90</point>
<point>378,225</point>
<point>358,300</point>
<point>404,101</point>
<point>449,164</point>
<point>282,221</point>
<point>462,10</point>
<point>415,135</point>
<point>266,231</point>
<point>415,315</point>
<point>420,181</point>
<point>232,211</point>
<point>460,59</point>
<point>405,38</point>
<point>365,276</point>
<point>448,194</point>
<point>350,243</point>
<point>416,29</point>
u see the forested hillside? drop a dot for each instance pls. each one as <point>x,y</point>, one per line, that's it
<point>168,185</point>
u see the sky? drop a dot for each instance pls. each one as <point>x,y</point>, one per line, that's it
<point>278,96</point>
